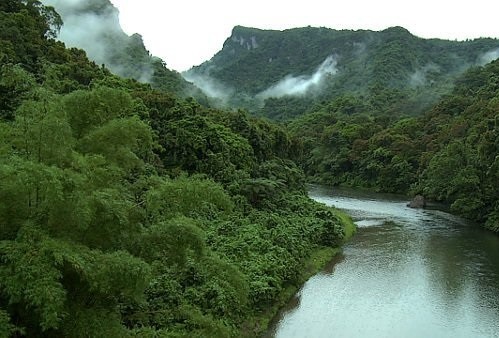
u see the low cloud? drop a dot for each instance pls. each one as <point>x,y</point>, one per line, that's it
<point>420,76</point>
<point>359,48</point>
<point>85,29</point>
<point>94,27</point>
<point>211,87</point>
<point>489,56</point>
<point>304,84</point>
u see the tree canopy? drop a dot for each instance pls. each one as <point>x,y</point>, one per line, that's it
<point>129,211</point>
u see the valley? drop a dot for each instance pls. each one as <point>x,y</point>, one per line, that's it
<point>136,201</point>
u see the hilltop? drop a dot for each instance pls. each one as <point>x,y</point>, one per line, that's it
<point>281,74</point>
<point>94,27</point>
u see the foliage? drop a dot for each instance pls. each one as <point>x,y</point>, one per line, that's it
<point>124,55</point>
<point>449,154</point>
<point>391,70</point>
<point>126,211</point>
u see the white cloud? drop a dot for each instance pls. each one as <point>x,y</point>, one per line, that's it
<point>209,86</point>
<point>100,35</point>
<point>300,85</point>
<point>419,77</point>
<point>490,56</point>
<point>86,30</point>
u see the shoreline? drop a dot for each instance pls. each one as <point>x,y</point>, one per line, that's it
<point>258,324</point>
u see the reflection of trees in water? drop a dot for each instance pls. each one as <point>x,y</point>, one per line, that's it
<point>294,303</point>
<point>463,269</point>
<point>329,268</point>
<point>387,241</point>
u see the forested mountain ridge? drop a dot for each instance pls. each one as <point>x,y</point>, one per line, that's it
<point>126,211</point>
<point>390,68</point>
<point>94,27</point>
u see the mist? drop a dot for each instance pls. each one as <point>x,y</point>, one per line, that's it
<point>488,57</point>
<point>304,84</point>
<point>210,86</point>
<point>420,77</point>
<point>94,27</point>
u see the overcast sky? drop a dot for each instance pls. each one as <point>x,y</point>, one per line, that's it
<point>185,33</point>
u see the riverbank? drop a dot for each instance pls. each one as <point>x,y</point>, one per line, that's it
<point>318,259</point>
<point>417,273</point>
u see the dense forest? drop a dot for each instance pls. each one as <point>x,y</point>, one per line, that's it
<point>129,208</point>
<point>386,110</point>
<point>129,211</point>
<point>392,69</point>
<point>449,154</point>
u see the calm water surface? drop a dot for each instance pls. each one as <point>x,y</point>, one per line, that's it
<point>406,273</point>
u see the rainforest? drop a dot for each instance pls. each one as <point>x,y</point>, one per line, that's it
<point>134,202</point>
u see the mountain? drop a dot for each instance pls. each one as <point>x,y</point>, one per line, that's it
<point>284,73</point>
<point>130,212</point>
<point>94,26</point>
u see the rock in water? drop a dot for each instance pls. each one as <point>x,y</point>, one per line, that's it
<point>417,202</point>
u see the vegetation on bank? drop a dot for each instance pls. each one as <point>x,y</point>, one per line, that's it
<point>396,113</point>
<point>126,211</point>
<point>448,154</point>
<point>316,262</point>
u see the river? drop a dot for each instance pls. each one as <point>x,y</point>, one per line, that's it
<point>406,273</point>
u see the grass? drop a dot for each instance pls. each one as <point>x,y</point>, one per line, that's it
<point>349,226</point>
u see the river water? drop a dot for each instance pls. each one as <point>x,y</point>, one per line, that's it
<point>406,273</point>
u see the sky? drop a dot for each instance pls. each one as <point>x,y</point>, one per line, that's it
<point>185,33</point>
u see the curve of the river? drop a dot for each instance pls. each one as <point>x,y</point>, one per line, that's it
<point>406,273</point>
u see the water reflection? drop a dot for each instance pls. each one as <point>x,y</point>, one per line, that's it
<point>407,273</point>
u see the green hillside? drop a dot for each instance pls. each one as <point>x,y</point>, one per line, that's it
<point>127,211</point>
<point>448,154</point>
<point>94,27</point>
<point>394,70</point>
